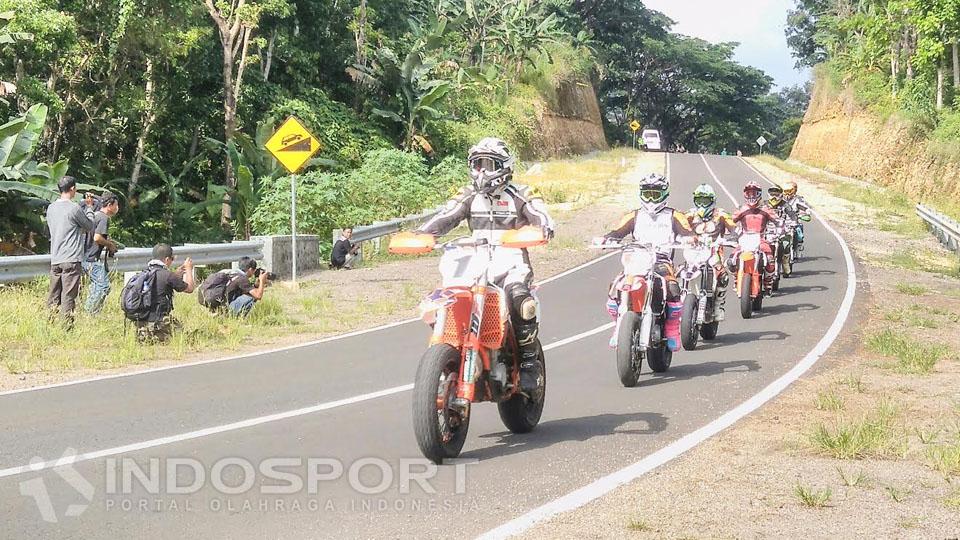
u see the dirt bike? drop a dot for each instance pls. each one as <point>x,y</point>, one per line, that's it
<point>641,318</point>
<point>698,285</point>
<point>775,235</point>
<point>751,265</point>
<point>797,241</point>
<point>473,355</point>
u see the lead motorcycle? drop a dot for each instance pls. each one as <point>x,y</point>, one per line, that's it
<point>698,278</point>
<point>641,316</point>
<point>751,265</point>
<point>473,354</point>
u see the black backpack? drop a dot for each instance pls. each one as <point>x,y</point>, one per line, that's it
<point>139,297</point>
<point>212,293</point>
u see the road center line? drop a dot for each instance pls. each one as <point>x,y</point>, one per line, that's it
<point>606,484</point>
<point>719,183</point>
<point>250,422</point>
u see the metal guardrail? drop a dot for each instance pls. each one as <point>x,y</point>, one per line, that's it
<point>28,267</point>
<point>945,229</point>
<point>380,229</point>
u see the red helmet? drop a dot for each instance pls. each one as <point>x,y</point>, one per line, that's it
<point>752,194</point>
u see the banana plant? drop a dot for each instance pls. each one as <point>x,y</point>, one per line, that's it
<point>414,93</point>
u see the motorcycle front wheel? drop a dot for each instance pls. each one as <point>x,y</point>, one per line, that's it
<point>689,330</point>
<point>521,414</point>
<point>440,430</point>
<point>746,303</point>
<point>628,349</point>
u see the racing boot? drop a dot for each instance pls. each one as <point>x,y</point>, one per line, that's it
<point>672,327</point>
<point>723,280</point>
<point>531,374</point>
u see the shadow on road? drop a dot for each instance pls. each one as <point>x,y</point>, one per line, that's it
<point>814,258</point>
<point>685,372</point>
<point>801,289</point>
<point>568,429</point>
<point>750,337</point>
<point>778,309</point>
<point>802,273</point>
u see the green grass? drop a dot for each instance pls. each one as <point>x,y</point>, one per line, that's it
<point>912,289</point>
<point>953,501</point>
<point>580,180</point>
<point>945,458</point>
<point>872,435</point>
<point>911,355</point>
<point>828,400</point>
<point>853,381</point>
<point>896,494</point>
<point>639,525</point>
<point>858,479</point>
<point>811,497</point>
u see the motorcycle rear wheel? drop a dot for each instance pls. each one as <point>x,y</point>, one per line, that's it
<point>758,301</point>
<point>440,431</point>
<point>689,330</point>
<point>521,414</point>
<point>709,330</point>
<point>629,359</point>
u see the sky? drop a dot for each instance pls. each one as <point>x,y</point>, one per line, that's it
<point>756,24</point>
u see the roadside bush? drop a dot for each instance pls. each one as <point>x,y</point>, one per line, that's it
<point>449,175</point>
<point>475,116</point>
<point>393,182</point>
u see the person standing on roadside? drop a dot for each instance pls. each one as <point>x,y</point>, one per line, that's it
<point>99,247</point>
<point>68,229</point>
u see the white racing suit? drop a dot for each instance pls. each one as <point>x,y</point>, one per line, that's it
<point>489,215</point>
<point>800,208</point>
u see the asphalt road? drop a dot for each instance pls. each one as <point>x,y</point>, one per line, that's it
<point>348,401</point>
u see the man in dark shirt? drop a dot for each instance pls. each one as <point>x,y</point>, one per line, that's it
<point>344,251</point>
<point>233,289</point>
<point>94,262</point>
<point>159,325</point>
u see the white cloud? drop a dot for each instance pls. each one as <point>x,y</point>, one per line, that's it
<point>758,26</point>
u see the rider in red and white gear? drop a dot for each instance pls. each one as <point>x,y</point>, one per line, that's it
<point>753,217</point>
<point>492,205</point>
<point>656,224</point>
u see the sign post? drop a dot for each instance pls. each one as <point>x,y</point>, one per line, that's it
<point>761,141</point>
<point>292,145</point>
<point>634,126</point>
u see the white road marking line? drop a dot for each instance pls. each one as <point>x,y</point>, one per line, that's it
<point>272,351</point>
<point>606,484</point>
<point>723,187</point>
<point>250,422</point>
<point>754,169</point>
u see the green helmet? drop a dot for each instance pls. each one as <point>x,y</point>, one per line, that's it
<point>705,199</point>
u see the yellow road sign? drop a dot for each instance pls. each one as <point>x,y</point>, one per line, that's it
<point>292,145</point>
<point>634,125</point>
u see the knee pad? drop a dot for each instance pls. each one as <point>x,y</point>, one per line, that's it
<point>522,303</point>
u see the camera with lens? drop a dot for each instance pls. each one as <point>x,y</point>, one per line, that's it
<point>270,275</point>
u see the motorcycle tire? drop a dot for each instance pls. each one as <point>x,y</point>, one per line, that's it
<point>758,302</point>
<point>440,365</point>
<point>629,359</point>
<point>689,331</point>
<point>659,358</point>
<point>521,414</point>
<point>776,283</point>
<point>709,330</point>
<point>746,303</point>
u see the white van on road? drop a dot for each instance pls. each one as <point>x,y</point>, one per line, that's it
<point>651,139</point>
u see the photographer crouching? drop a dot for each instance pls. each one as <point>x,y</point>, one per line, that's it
<point>235,290</point>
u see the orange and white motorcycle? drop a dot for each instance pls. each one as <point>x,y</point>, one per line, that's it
<point>473,355</point>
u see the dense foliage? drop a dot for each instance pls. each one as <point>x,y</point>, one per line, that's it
<point>168,102</point>
<point>899,56</point>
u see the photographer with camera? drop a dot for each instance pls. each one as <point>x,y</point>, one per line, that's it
<point>232,289</point>
<point>99,247</point>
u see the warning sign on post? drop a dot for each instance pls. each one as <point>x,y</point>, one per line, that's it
<point>292,145</point>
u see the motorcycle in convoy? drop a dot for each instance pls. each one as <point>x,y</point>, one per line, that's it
<point>473,355</point>
<point>698,278</point>
<point>776,236</point>
<point>642,318</point>
<point>751,264</point>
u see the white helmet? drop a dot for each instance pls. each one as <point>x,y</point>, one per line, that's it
<point>654,190</point>
<point>491,164</point>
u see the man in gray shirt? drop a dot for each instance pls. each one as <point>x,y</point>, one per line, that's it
<point>69,228</point>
